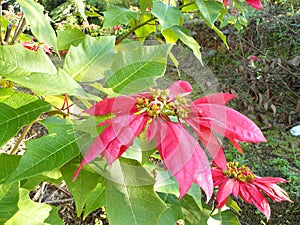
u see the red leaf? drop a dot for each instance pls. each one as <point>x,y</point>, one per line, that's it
<point>118,105</point>
<point>180,87</point>
<point>224,190</point>
<point>217,98</point>
<point>229,123</point>
<point>213,146</point>
<point>255,4</point>
<point>183,156</point>
<point>114,139</point>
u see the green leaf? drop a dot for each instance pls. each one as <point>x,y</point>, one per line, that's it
<point>53,218</point>
<point>225,218</point>
<point>9,197</point>
<point>39,24</point>
<point>35,71</point>
<point>174,212</point>
<point>195,192</point>
<point>70,36</point>
<point>144,4</point>
<point>166,183</point>
<point>116,15</point>
<point>86,182</point>
<point>30,212</point>
<point>12,120</point>
<point>145,30</point>
<point>210,11</point>
<point>15,99</point>
<point>221,35</point>
<point>131,199</point>
<point>170,35</point>
<point>136,69</point>
<point>48,152</point>
<point>8,164</point>
<point>188,41</point>
<point>81,8</point>
<point>193,214</point>
<point>96,199</point>
<point>90,59</point>
<point>168,16</point>
<point>15,60</point>
<point>233,205</point>
<point>50,84</point>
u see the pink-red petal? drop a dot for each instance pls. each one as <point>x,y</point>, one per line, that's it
<point>229,123</point>
<point>224,190</point>
<point>255,4</point>
<point>217,98</point>
<point>118,105</point>
<point>114,139</point>
<point>181,88</point>
<point>183,156</point>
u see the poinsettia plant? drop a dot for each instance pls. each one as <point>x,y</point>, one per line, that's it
<point>114,135</point>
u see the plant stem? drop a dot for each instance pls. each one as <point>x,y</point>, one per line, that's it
<point>25,131</point>
<point>17,33</point>
<point>7,32</point>
<point>1,41</point>
<point>133,29</point>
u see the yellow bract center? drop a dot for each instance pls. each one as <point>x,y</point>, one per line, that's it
<point>242,173</point>
<point>160,104</point>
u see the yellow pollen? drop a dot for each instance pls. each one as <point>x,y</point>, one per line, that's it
<point>242,173</point>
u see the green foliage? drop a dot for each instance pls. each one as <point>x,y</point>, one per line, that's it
<point>115,62</point>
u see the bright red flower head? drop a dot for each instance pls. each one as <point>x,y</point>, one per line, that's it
<point>254,3</point>
<point>241,181</point>
<point>165,114</point>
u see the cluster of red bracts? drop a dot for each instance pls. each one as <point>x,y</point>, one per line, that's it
<point>181,153</point>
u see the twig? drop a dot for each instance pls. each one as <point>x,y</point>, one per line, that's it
<point>26,130</point>
<point>133,29</point>
<point>58,201</point>
<point>7,33</point>
<point>1,41</point>
<point>17,33</point>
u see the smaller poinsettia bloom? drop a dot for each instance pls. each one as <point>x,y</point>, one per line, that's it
<point>254,3</point>
<point>242,182</point>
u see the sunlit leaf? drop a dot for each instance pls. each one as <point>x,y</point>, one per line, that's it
<point>16,60</point>
<point>225,218</point>
<point>132,189</point>
<point>49,84</point>
<point>210,10</point>
<point>188,41</point>
<point>116,15</point>
<point>86,182</point>
<point>168,16</point>
<point>71,36</point>
<point>89,60</point>
<point>30,212</point>
<point>40,156</point>
<point>81,8</point>
<point>11,119</point>
<point>135,70</point>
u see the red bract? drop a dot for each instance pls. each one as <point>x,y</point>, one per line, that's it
<point>241,181</point>
<point>35,46</point>
<point>254,3</point>
<point>165,114</point>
